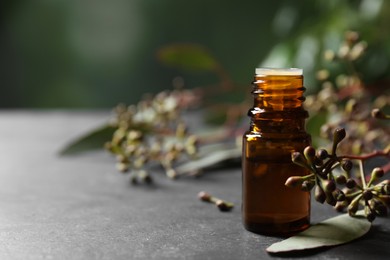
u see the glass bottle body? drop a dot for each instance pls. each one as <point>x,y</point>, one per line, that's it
<point>277,129</point>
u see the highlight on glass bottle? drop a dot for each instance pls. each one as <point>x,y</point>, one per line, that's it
<point>277,129</point>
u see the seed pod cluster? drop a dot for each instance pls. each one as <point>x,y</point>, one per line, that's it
<point>151,131</point>
<point>334,180</point>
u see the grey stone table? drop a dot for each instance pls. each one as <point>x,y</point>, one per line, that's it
<point>79,207</point>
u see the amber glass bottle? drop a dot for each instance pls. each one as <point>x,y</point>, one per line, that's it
<point>277,129</point>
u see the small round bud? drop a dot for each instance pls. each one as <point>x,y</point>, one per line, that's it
<point>329,55</point>
<point>222,205</point>
<point>358,50</point>
<point>379,207</point>
<point>341,205</point>
<point>351,37</point>
<point>377,173</point>
<point>329,185</point>
<point>338,135</point>
<point>299,159</point>
<point>377,113</point>
<point>352,208</point>
<point>204,196</point>
<point>341,179</point>
<point>144,176</point>
<point>346,165</point>
<point>322,75</point>
<point>322,154</point>
<point>171,173</point>
<point>343,51</point>
<point>331,200</point>
<point>351,183</point>
<point>319,194</point>
<point>309,153</point>
<point>367,195</point>
<point>339,195</point>
<point>351,106</point>
<point>294,181</point>
<point>122,167</point>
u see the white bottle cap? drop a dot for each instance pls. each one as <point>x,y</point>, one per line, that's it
<point>279,72</point>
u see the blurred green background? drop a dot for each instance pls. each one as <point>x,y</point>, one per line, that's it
<point>97,53</point>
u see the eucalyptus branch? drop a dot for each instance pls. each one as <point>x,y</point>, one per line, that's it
<point>337,190</point>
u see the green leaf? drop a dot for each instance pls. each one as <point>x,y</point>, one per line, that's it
<point>331,232</point>
<point>188,57</point>
<point>91,141</point>
<point>210,159</point>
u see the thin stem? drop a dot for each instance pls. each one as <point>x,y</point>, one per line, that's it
<point>362,175</point>
<point>352,195</point>
<point>366,156</point>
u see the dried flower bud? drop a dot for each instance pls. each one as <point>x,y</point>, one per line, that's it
<point>351,183</point>
<point>322,75</point>
<point>331,200</point>
<point>352,208</point>
<point>204,196</point>
<point>294,181</point>
<point>329,55</point>
<point>343,51</point>
<point>357,50</point>
<point>341,179</point>
<point>322,154</point>
<point>338,135</point>
<point>346,165</point>
<point>341,205</point>
<point>377,173</point>
<point>378,207</point>
<point>223,206</point>
<point>310,154</point>
<point>122,167</point>
<point>171,173</point>
<point>299,159</point>
<point>339,195</point>
<point>144,176</point>
<point>367,195</point>
<point>351,105</point>
<point>329,185</point>
<point>319,194</point>
<point>134,135</point>
<point>181,130</point>
<point>351,37</point>
<point>377,113</point>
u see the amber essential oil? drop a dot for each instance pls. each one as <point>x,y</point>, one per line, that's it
<point>277,129</point>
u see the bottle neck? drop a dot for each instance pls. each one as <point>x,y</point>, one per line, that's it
<point>278,104</point>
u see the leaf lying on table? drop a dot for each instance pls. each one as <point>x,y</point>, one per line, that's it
<point>210,159</point>
<point>91,141</point>
<point>331,232</point>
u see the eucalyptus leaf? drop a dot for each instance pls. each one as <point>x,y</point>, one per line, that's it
<point>188,57</point>
<point>208,160</point>
<point>91,141</point>
<point>331,232</point>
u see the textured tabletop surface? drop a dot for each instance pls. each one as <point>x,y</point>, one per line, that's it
<point>79,207</point>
